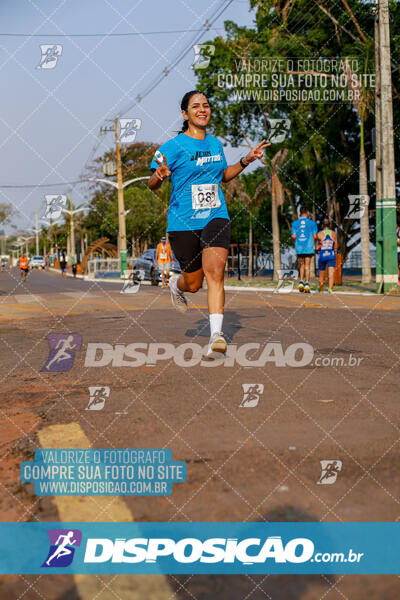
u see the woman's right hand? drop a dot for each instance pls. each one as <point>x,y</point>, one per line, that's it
<point>162,170</point>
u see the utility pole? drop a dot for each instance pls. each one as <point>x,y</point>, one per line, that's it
<point>119,185</point>
<point>386,242</point>
<point>123,258</point>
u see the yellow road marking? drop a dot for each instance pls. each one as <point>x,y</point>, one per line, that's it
<point>100,509</point>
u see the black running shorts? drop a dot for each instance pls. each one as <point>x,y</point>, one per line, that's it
<point>188,245</point>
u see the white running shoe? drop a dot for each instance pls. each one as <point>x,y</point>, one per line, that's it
<point>217,345</point>
<point>177,297</point>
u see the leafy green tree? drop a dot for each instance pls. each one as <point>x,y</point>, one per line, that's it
<point>323,161</point>
<point>146,219</point>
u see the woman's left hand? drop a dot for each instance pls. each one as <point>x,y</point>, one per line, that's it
<point>256,152</point>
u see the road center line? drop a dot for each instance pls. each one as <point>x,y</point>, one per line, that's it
<point>100,509</point>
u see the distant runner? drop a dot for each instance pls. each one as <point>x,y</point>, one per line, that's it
<point>326,247</point>
<point>304,234</point>
<point>198,220</point>
<point>24,266</point>
<point>163,260</point>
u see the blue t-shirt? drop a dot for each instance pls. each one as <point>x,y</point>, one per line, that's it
<point>194,165</point>
<point>304,229</point>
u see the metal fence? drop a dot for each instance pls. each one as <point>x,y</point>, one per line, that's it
<point>263,262</point>
<point>105,265</point>
<point>354,260</point>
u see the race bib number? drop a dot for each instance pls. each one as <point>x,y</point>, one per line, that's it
<point>163,256</point>
<point>205,196</point>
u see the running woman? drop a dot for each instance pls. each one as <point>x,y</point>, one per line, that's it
<point>163,260</point>
<point>304,234</point>
<point>198,220</point>
<point>326,245</point>
<point>24,266</point>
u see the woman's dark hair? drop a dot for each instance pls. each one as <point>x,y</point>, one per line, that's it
<point>184,106</point>
<point>326,223</point>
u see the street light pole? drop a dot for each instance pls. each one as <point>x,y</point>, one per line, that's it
<point>121,218</point>
<point>71,214</point>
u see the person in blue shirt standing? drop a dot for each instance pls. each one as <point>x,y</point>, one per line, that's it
<point>304,234</point>
<point>198,220</point>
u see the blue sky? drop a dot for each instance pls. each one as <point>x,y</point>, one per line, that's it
<point>50,118</point>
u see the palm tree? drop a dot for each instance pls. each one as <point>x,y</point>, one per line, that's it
<point>245,188</point>
<point>277,199</point>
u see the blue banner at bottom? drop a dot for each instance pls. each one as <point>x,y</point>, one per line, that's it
<point>200,548</point>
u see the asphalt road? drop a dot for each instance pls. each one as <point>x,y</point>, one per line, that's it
<point>250,455</point>
<point>46,282</point>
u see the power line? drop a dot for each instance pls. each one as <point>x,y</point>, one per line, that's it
<point>207,26</point>
<point>126,34</point>
<point>44,185</point>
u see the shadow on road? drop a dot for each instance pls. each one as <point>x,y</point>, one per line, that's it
<point>232,324</point>
<point>254,587</point>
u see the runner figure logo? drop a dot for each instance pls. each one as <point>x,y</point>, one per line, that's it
<point>329,471</point>
<point>50,55</point>
<point>279,129</point>
<point>251,394</point>
<point>132,285</point>
<point>62,547</point>
<point>286,279</point>
<point>62,351</point>
<point>98,397</point>
<point>202,55</point>
<point>357,206</point>
<point>128,130</point>
<point>55,205</point>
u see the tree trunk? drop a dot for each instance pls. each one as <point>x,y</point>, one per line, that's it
<point>250,254</point>
<point>275,236</point>
<point>364,222</point>
<point>312,267</point>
